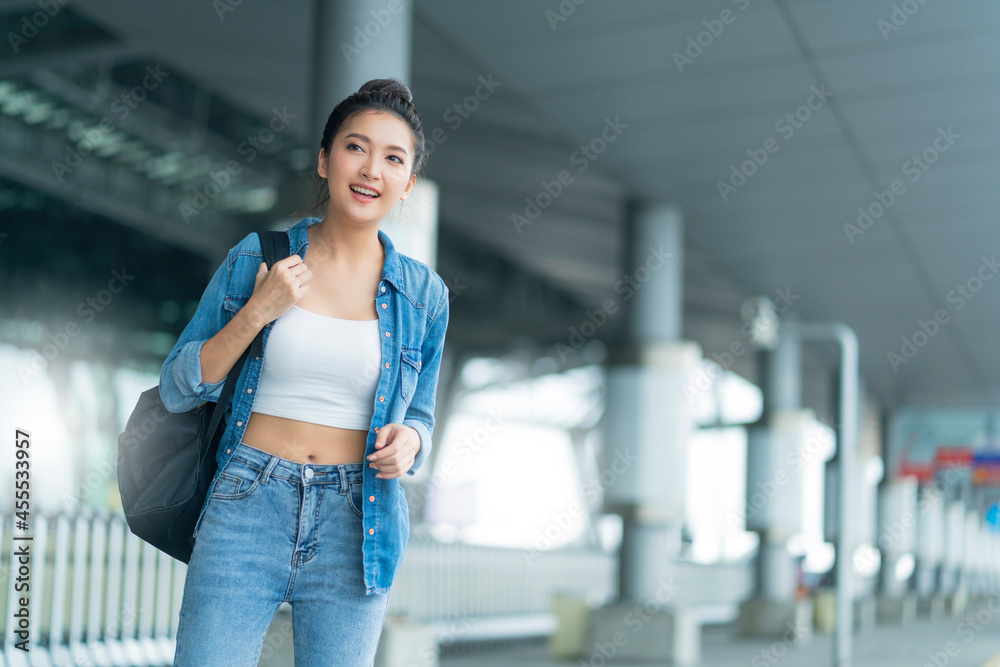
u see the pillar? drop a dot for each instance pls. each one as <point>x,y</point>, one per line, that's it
<point>647,426</point>
<point>356,41</point>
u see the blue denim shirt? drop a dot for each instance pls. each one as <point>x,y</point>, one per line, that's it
<point>413,306</point>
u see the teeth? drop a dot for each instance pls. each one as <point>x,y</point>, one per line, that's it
<point>364,191</point>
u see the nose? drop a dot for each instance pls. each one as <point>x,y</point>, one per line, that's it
<point>370,167</point>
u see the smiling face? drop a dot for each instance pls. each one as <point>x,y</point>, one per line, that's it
<point>373,150</point>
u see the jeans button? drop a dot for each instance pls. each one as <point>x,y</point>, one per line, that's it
<point>309,473</point>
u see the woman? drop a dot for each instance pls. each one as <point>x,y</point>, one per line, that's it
<point>306,506</point>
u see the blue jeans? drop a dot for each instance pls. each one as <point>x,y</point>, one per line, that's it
<point>271,531</point>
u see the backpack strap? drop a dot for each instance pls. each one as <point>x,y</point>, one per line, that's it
<point>275,247</point>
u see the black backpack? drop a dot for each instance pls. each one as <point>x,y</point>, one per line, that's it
<point>166,460</point>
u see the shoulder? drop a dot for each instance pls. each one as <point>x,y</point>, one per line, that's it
<point>248,246</point>
<point>425,283</point>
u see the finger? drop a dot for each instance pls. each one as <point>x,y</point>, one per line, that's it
<point>379,446</point>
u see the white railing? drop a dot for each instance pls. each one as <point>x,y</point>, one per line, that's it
<point>101,596</point>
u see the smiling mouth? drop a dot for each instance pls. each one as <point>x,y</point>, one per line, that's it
<point>364,192</point>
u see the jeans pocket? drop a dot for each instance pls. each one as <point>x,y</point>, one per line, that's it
<point>355,498</point>
<point>237,480</point>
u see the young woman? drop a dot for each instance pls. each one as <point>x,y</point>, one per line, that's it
<point>306,506</point>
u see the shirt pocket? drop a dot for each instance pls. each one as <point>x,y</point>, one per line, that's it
<point>410,369</point>
<point>233,303</point>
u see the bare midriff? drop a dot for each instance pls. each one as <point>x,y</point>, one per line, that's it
<point>331,294</point>
<point>305,442</point>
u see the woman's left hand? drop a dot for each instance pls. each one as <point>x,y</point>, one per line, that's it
<point>397,446</point>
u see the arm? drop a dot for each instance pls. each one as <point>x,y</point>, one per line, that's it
<point>420,413</point>
<point>197,366</point>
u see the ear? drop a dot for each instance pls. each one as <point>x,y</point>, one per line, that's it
<point>409,186</point>
<point>321,163</point>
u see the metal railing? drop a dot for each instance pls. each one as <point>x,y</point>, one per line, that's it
<point>101,596</point>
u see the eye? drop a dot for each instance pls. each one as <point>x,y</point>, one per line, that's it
<point>352,144</point>
<point>397,158</point>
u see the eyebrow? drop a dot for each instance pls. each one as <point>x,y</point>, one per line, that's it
<point>361,136</point>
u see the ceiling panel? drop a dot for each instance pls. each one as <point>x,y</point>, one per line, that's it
<point>785,227</point>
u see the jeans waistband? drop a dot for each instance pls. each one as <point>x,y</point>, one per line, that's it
<point>307,473</point>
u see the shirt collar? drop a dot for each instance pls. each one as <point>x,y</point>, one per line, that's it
<point>392,268</point>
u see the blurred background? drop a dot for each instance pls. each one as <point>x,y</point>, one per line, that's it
<point>721,355</point>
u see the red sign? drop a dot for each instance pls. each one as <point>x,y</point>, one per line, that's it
<point>954,457</point>
<point>924,472</point>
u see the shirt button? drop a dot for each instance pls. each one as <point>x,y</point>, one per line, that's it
<point>381,399</point>
<point>371,498</point>
<point>386,333</point>
<point>257,358</point>
<point>249,390</point>
<point>376,429</point>
<point>371,531</point>
<point>384,306</point>
<point>387,364</point>
<point>371,465</point>
<point>309,473</point>
<point>239,423</point>
<point>383,288</point>
<point>228,451</point>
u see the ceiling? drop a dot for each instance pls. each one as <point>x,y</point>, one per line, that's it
<point>783,229</point>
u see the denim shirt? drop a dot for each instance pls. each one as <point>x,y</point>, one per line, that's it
<point>413,306</point>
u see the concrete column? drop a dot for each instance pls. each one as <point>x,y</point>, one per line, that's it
<point>356,41</point>
<point>774,494</point>
<point>930,541</point>
<point>648,422</point>
<point>897,541</point>
<point>954,557</point>
<point>783,398</point>
<point>647,427</point>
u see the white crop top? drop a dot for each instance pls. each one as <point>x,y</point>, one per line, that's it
<point>320,369</point>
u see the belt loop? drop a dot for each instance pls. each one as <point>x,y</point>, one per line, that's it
<point>343,478</point>
<point>267,470</point>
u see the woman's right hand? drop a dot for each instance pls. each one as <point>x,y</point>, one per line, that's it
<point>275,291</point>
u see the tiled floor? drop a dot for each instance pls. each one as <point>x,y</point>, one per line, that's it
<point>959,642</point>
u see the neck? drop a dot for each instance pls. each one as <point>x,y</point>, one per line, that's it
<point>344,244</point>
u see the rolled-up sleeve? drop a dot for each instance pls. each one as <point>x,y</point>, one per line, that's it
<point>420,413</point>
<point>181,386</point>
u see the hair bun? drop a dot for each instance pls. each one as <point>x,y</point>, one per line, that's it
<point>387,87</point>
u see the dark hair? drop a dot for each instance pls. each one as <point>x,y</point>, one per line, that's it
<point>387,95</point>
